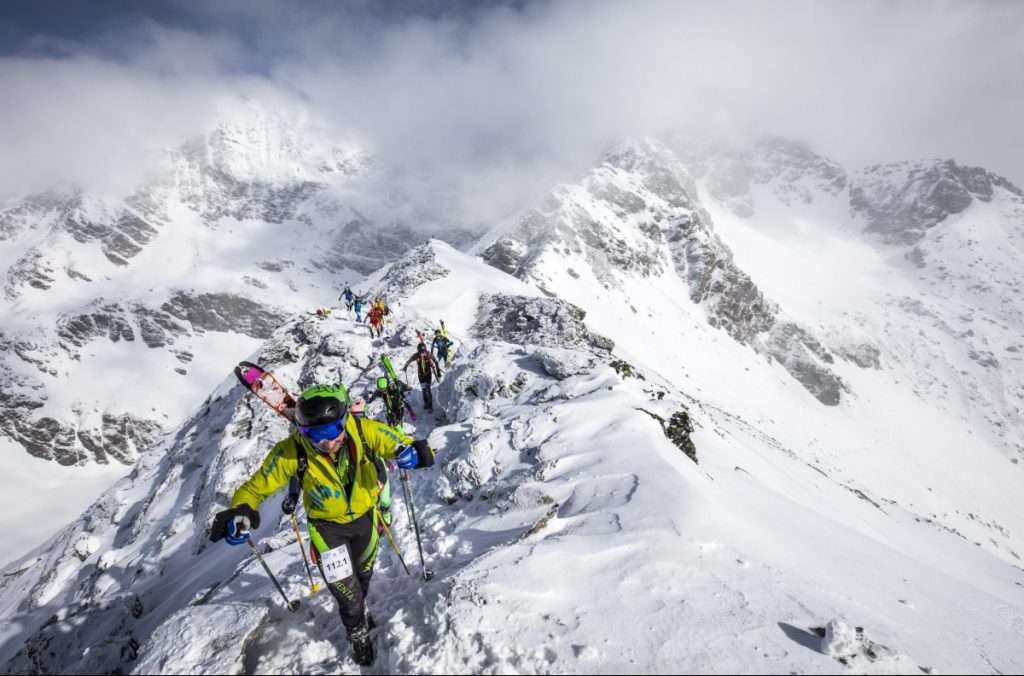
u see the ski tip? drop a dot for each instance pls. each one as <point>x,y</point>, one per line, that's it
<point>248,373</point>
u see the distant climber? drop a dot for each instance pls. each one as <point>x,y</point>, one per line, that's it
<point>376,318</point>
<point>426,369</point>
<point>348,296</point>
<point>441,347</point>
<point>394,403</point>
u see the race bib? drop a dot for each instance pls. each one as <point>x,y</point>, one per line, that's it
<point>337,564</point>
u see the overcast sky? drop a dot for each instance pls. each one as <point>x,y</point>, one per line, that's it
<point>514,92</point>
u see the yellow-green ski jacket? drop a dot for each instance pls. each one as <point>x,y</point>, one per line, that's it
<point>336,488</point>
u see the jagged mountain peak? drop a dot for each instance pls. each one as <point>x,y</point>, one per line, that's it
<point>902,201</point>
<point>631,154</point>
<point>253,143</point>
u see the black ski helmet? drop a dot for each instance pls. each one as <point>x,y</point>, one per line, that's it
<point>437,332</point>
<point>321,404</point>
<point>421,348</point>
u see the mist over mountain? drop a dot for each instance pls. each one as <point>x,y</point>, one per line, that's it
<point>230,230</point>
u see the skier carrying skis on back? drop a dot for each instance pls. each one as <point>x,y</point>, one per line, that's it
<point>334,453</point>
<point>394,402</point>
<point>441,347</point>
<point>426,368</point>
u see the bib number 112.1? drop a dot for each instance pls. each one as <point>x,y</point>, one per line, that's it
<point>337,564</point>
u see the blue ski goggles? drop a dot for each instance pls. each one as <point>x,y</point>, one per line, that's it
<point>321,433</point>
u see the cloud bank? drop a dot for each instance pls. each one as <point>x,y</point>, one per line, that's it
<point>497,102</point>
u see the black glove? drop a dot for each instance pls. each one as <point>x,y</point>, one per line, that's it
<point>292,498</point>
<point>220,522</point>
<point>424,452</point>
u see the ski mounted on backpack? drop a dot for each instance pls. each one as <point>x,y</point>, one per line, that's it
<point>265,386</point>
<point>448,350</point>
<point>386,361</point>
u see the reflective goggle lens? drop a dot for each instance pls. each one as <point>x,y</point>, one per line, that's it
<point>320,433</point>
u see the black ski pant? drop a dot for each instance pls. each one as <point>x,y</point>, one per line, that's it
<point>428,398</point>
<point>395,417</point>
<point>360,536</point>
<point>394,407</point>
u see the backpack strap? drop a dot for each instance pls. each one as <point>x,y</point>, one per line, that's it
<point>368,452</point>
<point>295,483</point>
<point>303,462</point>
<point>362,439</point>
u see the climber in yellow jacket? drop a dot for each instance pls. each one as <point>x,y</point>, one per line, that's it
<point>334,454</point>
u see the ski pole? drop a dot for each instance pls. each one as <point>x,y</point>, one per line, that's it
<point>292,605</point>
<point>407,487</point>
<point>393,544</point>
<point>408,503</point>
<point>314,587</point>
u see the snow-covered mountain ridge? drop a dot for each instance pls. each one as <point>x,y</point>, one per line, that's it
<point>779,248</point>
<point>567,531</point>
<point>639,215</point>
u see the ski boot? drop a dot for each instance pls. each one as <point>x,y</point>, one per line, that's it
<point>362,646</point>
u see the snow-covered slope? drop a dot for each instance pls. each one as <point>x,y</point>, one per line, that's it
<point>120,312</point>
<point>778,247</point>
<point>912,269</point>
<point>659,264</point>
<point>567,523</point>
